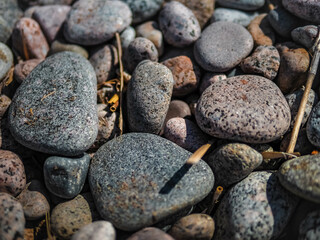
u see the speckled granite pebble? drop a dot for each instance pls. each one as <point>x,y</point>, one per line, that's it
<point>261,30</point>
<point>233,15</point>
<point>265,61</point>
<point>222,46</point>
<point>148,97</point>
<point>6,60</point>
<point>22,70</point>
<point>305,35</point>
<point>10,13</point>
<point>247,5</point>
<point>12,220</point>
<point>139,179</point>
<point>91,22</point>
<point>12,174</point>
<point>178,108</point>
<point>178,24</point>
<point>65,177</point>
<point>310,227</point>
<point>245,108</point>
<point>99,230</point>
<point>308,10</point>
<point>57,46</point>
<point>258,207</point>
<point>127,36</point>
<point>303,145</point>
<point>150,233</point>
<point>60,116</point>
<point>4,105</point>
<point>210,78</point>
<point>313,126</point>
<point>301,176</point>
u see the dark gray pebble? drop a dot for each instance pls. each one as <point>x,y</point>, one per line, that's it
<point>247,5</point>
<point>313,126</point>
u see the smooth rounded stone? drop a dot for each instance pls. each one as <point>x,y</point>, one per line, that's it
<point>301,176</point>
<point>193,227</point>
<point>99,230</point>
<point>294,65</point>
<point>65,177</point>
<point>233,162</point>
<point>305,35</point>
<point>222,46</point>
<point>210,78</point>
<point>310,227</point>
<point>138,50</point>
<point>60,116</point>
<point>303,145</point>
<point>265,61</point>
<point>12,174</point>
<point>91,22</point>
<point>139,179</point>
<point>294,100</point>
<point>177,108</point>
<point>12,220</point>
<point>28,33</point>
<point>105,61</point>
<point>246,108</point>
<point>150,233</point>
<point>23,69</point>
<point>51,19</point>
<point>308,10</point>
<point>6,60</point>
<point>233,15</point>
<point>185,134</point>
<point>178,24</point>
<point>57,47</point>
<point>261,31</point>
<point>186,75</point>
<point>150,30</point>
<point>258,207</point>
<point>4,104</point>
<point>5,30</point>
<point>247,5</point>
<point>148,97</point>
<point>10,12</point>
<point>127,36</point>
<point>313,126</point>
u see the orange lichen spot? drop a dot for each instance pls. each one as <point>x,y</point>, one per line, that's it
<point>243,81</point>
<point>314,152</point>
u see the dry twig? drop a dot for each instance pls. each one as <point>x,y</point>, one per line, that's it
<point>121,82</point>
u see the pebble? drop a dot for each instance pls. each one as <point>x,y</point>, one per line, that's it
<point>301,177</point>
<point>65,177</point>
<point>51,19</point>
<point>12,174</point>
<point>99,230</point>
<point>139,179</point>
<point>10,12</point>
<point>313,126</point>
<point>185,134</point>
<point>186,75</point>
<point>30,3</point>
<point>247,5</point>
<point>58,46</point>
<point>310,226</point>
<point>105,61</point>
<point>177,108</point>
<point>265,61</point>
<point>233,162</point>
<point>222,46</point>
<point>233,15</point>
<point>261,31</point>
<point>23,69</point>
<point>148,97</point>
<point>138,50</point>
<point>91,22</point>
<point>305,35</point>
<point>178,24</point>
<point>246,108</point>
<point>6,60</point>
<point>308,10</point>
<point>150,233</point>
<point>56,118</point>
<point>127,36</point>
<point>12,220</point>
<point>4,105</point>
<point>5,31</point>
<point>256,208</point>
<point>210,78</point>
<point>193,227</point>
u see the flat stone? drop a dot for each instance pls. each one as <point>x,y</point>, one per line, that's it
<point>23,69</point>
<point>58,46</point>
<point>222,46</point>
<point>233,15</point>
<point>258,207</point>
<point>150,233</point>
<point>99,230</point>
<point>310,226</point>
<point>91,22</point>
<point>261,31</point>
<point>60,116</point>
<point>247,5</point>
<point>148,97</point>
<point>305,35</point>
<point>210,78</point>
<point>301,175</point>
<point>139,179</point>
<point>308,10</point>
<point>246,108</point>
<point>6,60</point>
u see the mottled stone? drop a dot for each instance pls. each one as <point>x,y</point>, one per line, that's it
<point>127,36</point>
<point>23,69</point>
<point>245,108</point>
<point>139,179</point>
<point>265,61</point>
<point>305,35</point>
<point>99,230</point>
<point>210,78</point>
<point>301,176</point>
<point>91,22</point>
<point>5,30</point>
<point>4,105</point>
<point>150,233</point>
<point>261,30</point>
<point>6,61</point>
<point>313,126</point>
<point>148,97</point>
<point>60,116</point>
<point>57,46</point>
<point>12,220</point>
<point>233,15</point>
<point>178,108</point>
<point>247,5</point>
<point>10,12</point>
<point>178,24</point>
<point>308,10</point>
<point>310,227</point>
<point>222,46</point>
<point>12,174</point>
<point>258,207</point>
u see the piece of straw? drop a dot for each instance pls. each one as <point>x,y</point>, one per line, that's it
<point>121,83</point>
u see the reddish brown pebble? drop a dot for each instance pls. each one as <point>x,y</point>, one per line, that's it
<point>150,233</point>
<point>22,70</point>
<point>261,31</point>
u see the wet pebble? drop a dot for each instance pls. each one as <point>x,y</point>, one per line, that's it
<point>305,35</point>
<point>210,78</point>
<point>23,69</point>
<point>261,30</point>
<point>310,227</point>
<point>150,233</point>
<point>308,10</point>
<point>233,15</point>
<point>6,60</point>
<point>99,230</point>
<point>247,5</point>
<point>58,46</point>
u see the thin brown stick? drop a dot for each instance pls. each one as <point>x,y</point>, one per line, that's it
<point>197,155</point>
<point>121,83</point>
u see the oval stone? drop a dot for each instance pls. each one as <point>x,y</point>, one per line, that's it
<point>6,60</point>
<point>150,233</point>
<point>245,108</point>
<point>305,35</point>
<point>99,230</point>
<point>308,10</point>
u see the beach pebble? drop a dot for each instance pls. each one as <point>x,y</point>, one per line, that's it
<point>210,78</point>
<point>99,230</point>
<point>178,108</point>
<point>23,69</point>
<point>148,97</point>
<point>5,30</point>
<point>186,75</point>
<point>308,10</point>
<point>178,24</point>
<point>247,5</point>
<point>233,15</point>
<point>60,116</point>
<point>150,233</point>
<point>9,14</point>
<point>139,179</point>
<point>258,207</point>
<point>261,30</point>
<point>246,108</point>
<point>265,61</point>
<point>91,22</point>
<point>222,46</point>
<point>6,60</point>
<point>310,226</point>
<point>12,221</point>
<point>12,174</point>
<point>305,35</point>
<point>127,36</point>
<point>58,46</point>
<point>30,3</point>
<point>4,105</point>
<point>313,126</point>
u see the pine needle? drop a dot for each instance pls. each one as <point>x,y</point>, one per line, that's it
<point>121,83</point>
<point>274,155</point>
<point>197,155</point>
